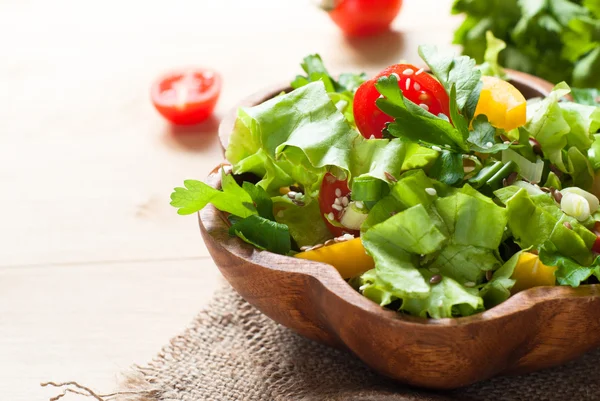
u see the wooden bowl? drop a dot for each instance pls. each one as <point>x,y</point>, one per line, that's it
<point>535,329</point>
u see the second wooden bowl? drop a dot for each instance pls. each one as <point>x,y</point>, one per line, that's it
<point>535,329</point>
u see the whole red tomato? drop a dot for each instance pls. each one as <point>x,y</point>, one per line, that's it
<point>364,17</point>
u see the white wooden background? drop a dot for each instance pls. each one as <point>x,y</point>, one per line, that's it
<point>97,271</point>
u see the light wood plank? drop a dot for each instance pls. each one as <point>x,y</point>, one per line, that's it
<point>90,322</point>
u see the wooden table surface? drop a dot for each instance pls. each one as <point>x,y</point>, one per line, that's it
<point>97,271</point>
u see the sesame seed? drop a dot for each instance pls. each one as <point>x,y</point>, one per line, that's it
<point>396,75</point>
<point>280,214</point>
<point>359,204</point>
<point>443,117</point>
<point>431,191</point>
<point>298,196</point>
<point>338,192</point>
<point>407,84</point>
<point>447,146</point>
<point>345,201</point>
<point>506,142</point>
<point>423,96</point>
<point>437,148</point>
<point>568,225</point>
<point>291,194</point>
<point>420,71</point>
<point>424,106</point>
<point>417,86</point>
<point>337,201</point>
<point>330,216</point>
<point>381,97</point>
<point>469,284</point>
<point>337,207</point>
<point>372,136</point>
<point>316,247</point>
<point>329,242</point>
<point>408,71</point>
<point>505,228</point>
<point>466,156</point>
<point>305,248</point>
<point>489,145</point>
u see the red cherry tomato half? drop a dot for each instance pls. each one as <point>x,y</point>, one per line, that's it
<point>364,17</point>
<point>186,97</point>
<point>332,189</point>
<point>417,86</point>
<point>596,246</point>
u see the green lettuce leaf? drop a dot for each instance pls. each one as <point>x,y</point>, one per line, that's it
<point>446,299</point>
<point>546,123</point>
<point>497,290</point>
<point>294,138</point>
<point>305,223</point>
<point>569,271</point>
<point>452,71</point>
<point>534,220</point>
<point>492,51</point>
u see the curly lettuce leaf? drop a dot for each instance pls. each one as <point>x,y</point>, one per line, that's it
<point>294,138</point>
<point>546,123</point>
<point>446,299</point>
<point>570,272</point>
<point>490,65</point>
<point>452,71</point>
<point>305,223</point>
<point>534,220</point>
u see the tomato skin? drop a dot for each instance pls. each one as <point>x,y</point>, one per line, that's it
<point>596,230</point>
<point>327,198</point>
<point>186,97</point>
<point>421,89</point>
<point>365,17</point>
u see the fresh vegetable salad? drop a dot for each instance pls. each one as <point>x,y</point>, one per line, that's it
<point>436,192</point>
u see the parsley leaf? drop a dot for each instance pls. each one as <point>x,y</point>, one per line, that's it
<point>196,194</point>
<point>412,121</point>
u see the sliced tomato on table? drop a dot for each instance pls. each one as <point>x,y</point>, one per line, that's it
<point>417,86</point>
<point>186,97</point>
<point>331,203</point>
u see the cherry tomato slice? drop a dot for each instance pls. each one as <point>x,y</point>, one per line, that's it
<point>186,97</point>
<point>416,85</point>
<point>364,17</point>
<point>332,189</point>
<point>596,230</point>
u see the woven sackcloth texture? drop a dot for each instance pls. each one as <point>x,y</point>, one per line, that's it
<point>233,352</point>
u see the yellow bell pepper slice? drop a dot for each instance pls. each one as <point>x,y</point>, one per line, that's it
<point>502,103</point>
<point>531,272</point>
<point>348,257</point>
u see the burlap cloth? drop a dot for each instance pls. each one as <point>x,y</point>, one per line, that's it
<point>233,352</point>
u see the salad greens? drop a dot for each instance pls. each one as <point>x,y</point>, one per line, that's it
<point>448,203</point>
<point>558,40</point>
